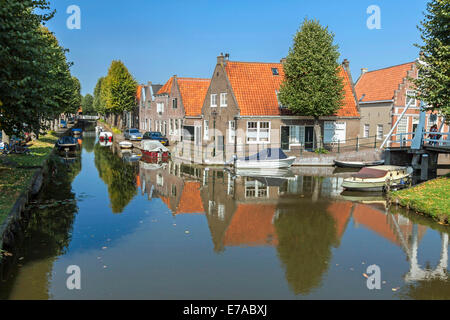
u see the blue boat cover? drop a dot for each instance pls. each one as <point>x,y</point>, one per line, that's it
<point>76,129</point>
<point>266,154</point>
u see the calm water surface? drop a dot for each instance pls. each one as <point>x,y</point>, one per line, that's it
<point>143,231</point>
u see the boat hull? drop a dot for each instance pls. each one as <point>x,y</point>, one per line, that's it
<point>264,164</point>
<point>394,177</point>
<point>357,164</point>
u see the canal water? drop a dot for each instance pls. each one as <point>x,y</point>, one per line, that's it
<point>140,230</point>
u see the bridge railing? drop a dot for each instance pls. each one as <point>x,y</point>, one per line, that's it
<point>404,140</point>
<point>86,117</point>
<point>436,138</point>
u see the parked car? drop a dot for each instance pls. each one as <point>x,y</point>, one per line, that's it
<point>63,124</point>
<point>153,135</point>
<point>132,134</point>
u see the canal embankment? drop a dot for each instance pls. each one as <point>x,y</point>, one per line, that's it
<point>21,177</point>
<point>430,198</point>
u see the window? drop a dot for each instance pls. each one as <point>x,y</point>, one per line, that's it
<point>411,97</point>
<point>231,130</point>
<point>206,130</point>
<point>379,131</point>
<point>366,130</point>
<point>432,120</point>
<point>174,103</point>
<point>223,99</point>
<point>255,188</point>
<point>334,131</point>
<point>170,127</point>
<point>160,108</point>
<point>221,211</point>
<point>214,100</point>
<point>402,126</point>
<point>188,133</point>
<point>258,131</point>
<point>296,135</point>
<point>275,71</point>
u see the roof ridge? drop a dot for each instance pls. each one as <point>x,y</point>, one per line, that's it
<point>255,62</point>
<point>189,78</point>
<point>397,65</point>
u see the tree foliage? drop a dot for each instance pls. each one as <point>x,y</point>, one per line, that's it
<point>88,104</point>
<point>99,103</point>
<point>118,89</point>
<point>312,85</point>
<point>35,79</point>
<point>433,84</point>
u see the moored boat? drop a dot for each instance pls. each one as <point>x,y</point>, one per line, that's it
<point>378,178</point>
<point>269,158</point>
<point>357,164</point>
<point>125,145</point>
<point>67,143</point>
<point>105,136</point>
<point>154,150</point>
<point>77,131</point>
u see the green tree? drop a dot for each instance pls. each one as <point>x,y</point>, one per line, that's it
<point>119,90</point>
<point>433,84</point>
<point>99,103</point>
<point>312,85</point>
<point>88,104</point>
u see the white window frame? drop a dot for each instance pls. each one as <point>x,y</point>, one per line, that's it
<point>213,100</point>
<point>231,131</point>
<point>160,107</point>
<point>337,128</point>
<point>366,132</point>
<point>258,132</point>
<point>301,135</point>
<point>205,130</point>
<point>411,93</point>
<point>379,134</point>
<point>223,99</point>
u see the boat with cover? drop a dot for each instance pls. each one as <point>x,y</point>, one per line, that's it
<point>357,164</point>
<point>266,158</point>
<point>378,178</point>
<point>105,136</point>
<point>154,150</point>
<point>67,143</point>
<point>125,145</point>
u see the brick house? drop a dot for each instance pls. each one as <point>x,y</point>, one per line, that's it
<point>145,98</point>
<point>176,107</point>
<point>383,94</point>
<point>242,114</point>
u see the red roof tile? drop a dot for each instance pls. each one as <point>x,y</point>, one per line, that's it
<point>255,86</point>
<point>193,92</point>
<point>190,201</point>
<point>380,84</point>
<point>167,87</point>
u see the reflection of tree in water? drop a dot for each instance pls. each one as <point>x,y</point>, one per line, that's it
<point>305,237</point>
<point>46,235</point>
<point>433,289</point>
<point>120,177</point>
<point>88,144</point>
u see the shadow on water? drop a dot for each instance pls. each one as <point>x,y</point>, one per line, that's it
<point>48,225</point>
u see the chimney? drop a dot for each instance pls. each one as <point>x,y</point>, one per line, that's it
<point>364,70</point>
<point>346,65</point>
<point>220,59</point>
<point>283,60</point>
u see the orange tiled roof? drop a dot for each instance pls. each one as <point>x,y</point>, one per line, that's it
<point>380,84</point>
<point>167,87</point>
<point>252,225</point>
<point>190,200</point>
<point>340,211</point>
<point>138,93</point>
<point>255,86</point>
<point>193,92</point>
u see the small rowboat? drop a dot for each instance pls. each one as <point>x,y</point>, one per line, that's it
<point>357,164</point>
<point>270,158</point>
<point>378,178</point>
<point>125,145</point>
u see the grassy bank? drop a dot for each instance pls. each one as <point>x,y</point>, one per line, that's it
<point>431,198</point>
<point>16,170</point>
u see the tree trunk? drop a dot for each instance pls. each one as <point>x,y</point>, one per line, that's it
<point>317,133</point>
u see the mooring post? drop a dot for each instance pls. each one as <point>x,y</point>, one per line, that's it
<point>424,167</point>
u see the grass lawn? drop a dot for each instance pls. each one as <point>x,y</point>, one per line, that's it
<point>16,171</point>
<point>431,198</point>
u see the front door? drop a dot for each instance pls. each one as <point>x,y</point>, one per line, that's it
<point>285,137</point>
<point>309,138</point>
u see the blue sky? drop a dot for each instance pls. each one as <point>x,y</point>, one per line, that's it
<point>157,39</point>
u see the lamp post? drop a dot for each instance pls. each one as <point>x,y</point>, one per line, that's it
<point>214,114</point>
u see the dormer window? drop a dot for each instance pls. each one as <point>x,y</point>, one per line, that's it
<point>275,71</point>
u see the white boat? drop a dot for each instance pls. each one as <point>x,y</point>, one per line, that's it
<point>269,158</point>
<point>378,178</point>
<point>105,136</point>
<point>125,145</point>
